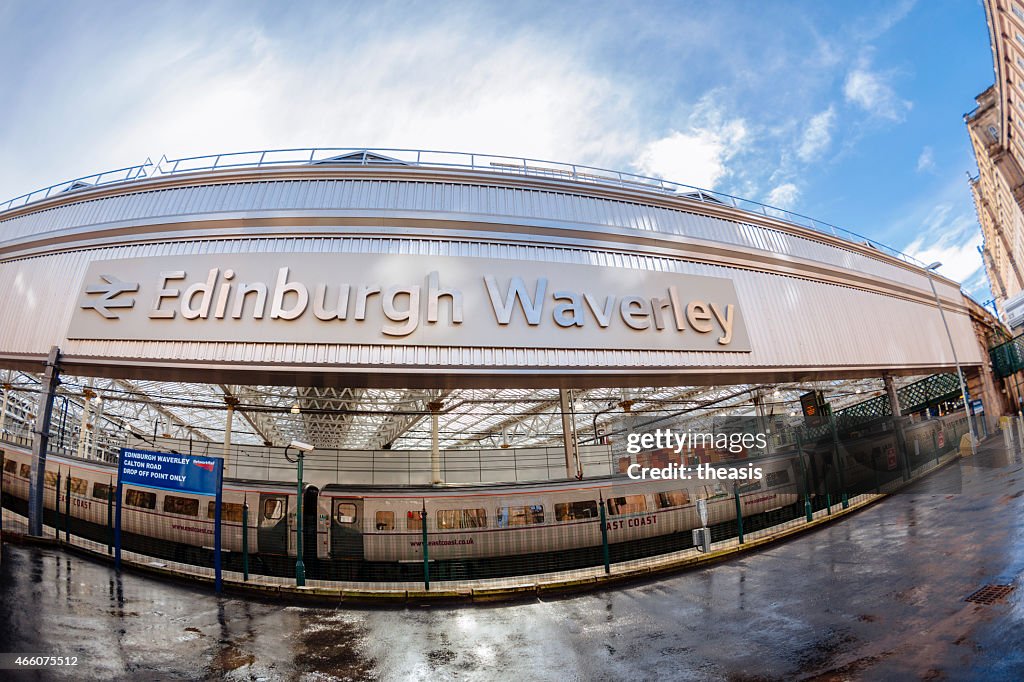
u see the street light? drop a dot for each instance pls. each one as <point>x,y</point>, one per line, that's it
<point>959,373</point>
<point>300,566</point>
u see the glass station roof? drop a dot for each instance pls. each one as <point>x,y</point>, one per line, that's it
<point>374,419</point>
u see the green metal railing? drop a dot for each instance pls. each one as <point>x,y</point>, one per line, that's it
<point>1008,358</point>
<point>920,395</point>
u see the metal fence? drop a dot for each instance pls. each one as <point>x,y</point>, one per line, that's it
<point>509,165</point>
<point>1008,358</point>
<point>830,475</point>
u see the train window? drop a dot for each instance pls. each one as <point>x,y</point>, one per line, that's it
<point>774,478</point>
<point>50,479</point>
<point>79,486</point>
<point>413,521</point>
<point>629,504</point>
<point>181,505</point>
<point>384,520</point>
<point>229,511</point>
<point>461,518</point>
<point>712,491</point>
<point>140,498</point>
<point>10,467</point>
<point>748,487</point>
<point>570,511</point>
<point>530,515</point>
<point>102,491</point>
<point>345,513</point>
<point>273,509</point>
<point>26,470</point>
<point>673,498</point>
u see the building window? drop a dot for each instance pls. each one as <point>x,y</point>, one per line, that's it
<point>1019,13</point>
<point>1020,38</point>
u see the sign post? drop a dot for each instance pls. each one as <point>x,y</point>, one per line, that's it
<point>172,473</point>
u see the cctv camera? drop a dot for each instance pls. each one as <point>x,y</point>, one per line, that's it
<point>299,445</point>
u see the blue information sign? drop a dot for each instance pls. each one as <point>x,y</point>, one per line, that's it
<point>181,473</point>
<point>172,472</point>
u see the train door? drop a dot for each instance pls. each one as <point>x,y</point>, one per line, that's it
<point>309,524</point>
<point>272,535</point>
<point>347,528</point>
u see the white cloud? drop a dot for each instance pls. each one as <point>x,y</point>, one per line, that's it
<point>784,195</point>
<point>450,86</point>
<point>926,161</point>
<point>695,158</point>
<point>697,155</point>
<point>817,135</point>
<point>952,239</point>
<point>871,91</point>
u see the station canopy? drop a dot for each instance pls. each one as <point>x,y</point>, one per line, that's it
<point>375,419</point>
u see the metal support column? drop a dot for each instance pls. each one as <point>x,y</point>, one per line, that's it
<point>897,422</point>
<point>956,361</point>
<point>300,565</point>
<point>604,535</point>
<point>40,442</point>
<point>426,547</point>
<point>3,410</point>
<point>96,428</point>
<point>87,396</point>
<point>894,399</point>
<point>245,538</point>
<point>568,432</point>
<point>739,512</point>
<point>232,402</point>
<point>803,475</point>
<point>763,424</point>
<point>435,442</point>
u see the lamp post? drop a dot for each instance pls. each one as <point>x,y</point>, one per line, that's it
<point>959,373</point>
<point>300,566</point>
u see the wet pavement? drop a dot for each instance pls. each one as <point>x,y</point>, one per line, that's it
<point>878,595</point>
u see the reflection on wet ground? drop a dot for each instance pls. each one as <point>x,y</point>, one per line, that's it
<point>879,595</point>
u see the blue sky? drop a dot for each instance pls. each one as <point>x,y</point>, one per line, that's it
<point>850,112</point>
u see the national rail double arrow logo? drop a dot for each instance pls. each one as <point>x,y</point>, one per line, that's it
<point>111,290</point>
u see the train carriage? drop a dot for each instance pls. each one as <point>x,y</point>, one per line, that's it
<point>373,533</point>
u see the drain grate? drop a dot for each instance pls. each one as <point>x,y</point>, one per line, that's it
<point>990,594</point>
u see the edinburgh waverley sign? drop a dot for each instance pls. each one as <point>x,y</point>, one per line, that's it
<point>409,300</point>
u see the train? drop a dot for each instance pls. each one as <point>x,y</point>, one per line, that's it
<point>472,531</point>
